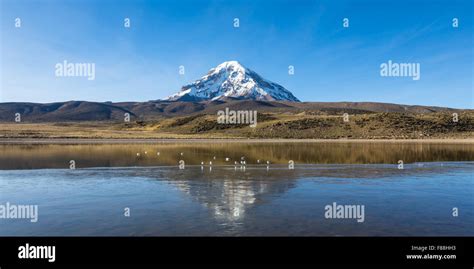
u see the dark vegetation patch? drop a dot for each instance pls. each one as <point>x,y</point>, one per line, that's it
<point>304,124</point>
<point>185,120</point>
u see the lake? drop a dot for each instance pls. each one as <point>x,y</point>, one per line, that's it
<point>249,189</point>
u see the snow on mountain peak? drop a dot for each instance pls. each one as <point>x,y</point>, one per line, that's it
<point>231,79</point>
<point>233,65</point>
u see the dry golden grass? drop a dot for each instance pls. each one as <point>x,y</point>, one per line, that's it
<point>270,126</point>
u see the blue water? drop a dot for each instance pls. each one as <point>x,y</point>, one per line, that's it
<point>415,201</point>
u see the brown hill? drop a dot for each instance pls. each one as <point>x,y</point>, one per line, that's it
<point>72,111</point>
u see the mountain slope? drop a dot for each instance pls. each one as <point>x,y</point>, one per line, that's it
<point>92,111</point>
<point>62,111</point>
<point>231,79</point>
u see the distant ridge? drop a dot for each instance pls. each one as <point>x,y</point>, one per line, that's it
<point>107,111</point>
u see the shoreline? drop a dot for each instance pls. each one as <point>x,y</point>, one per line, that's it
<point>65,141</point>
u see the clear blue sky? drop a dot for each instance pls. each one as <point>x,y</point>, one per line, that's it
<point>332,63</point>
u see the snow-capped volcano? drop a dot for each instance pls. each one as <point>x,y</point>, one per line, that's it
<point>231,79</point>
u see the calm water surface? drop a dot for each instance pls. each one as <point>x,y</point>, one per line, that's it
<point>229,200</point>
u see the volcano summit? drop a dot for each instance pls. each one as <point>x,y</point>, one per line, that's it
<point>232,80</point>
